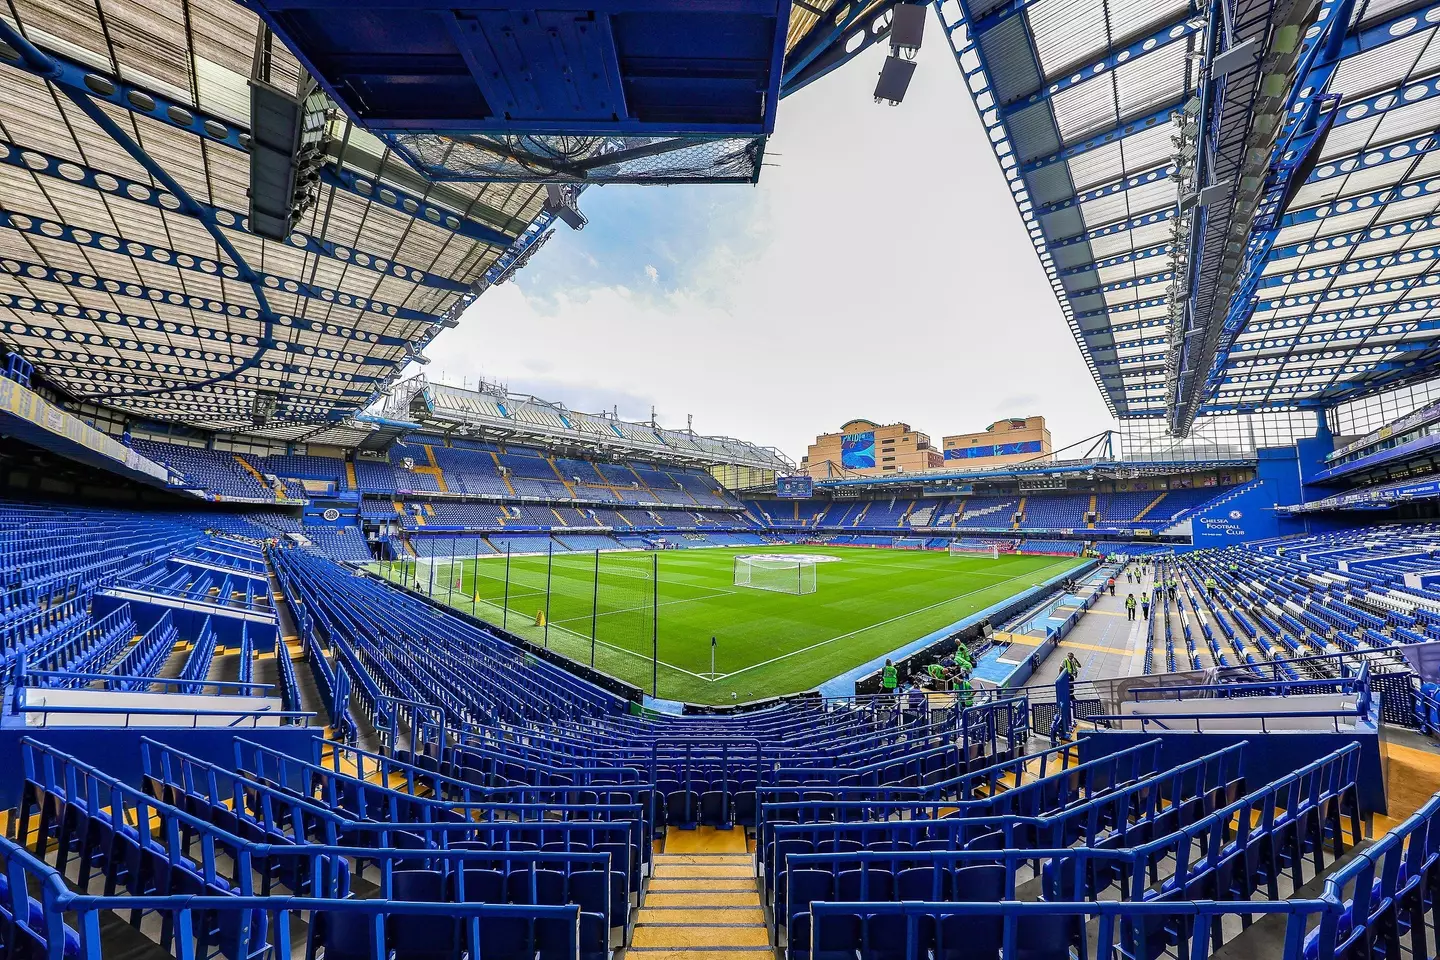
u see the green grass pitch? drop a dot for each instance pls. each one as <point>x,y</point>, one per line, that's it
<point>867,602</point>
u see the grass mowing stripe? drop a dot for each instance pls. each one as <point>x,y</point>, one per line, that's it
<point>843,636</point>
<point>867,603</point>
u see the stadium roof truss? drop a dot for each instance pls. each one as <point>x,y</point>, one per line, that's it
<point>128,272</point>
<point>130,275</point>
<point>1236,203</point>
<point>497,414</point>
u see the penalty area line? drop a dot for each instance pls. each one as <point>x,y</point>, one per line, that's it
<point>910,613</point>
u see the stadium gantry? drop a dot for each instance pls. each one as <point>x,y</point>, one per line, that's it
<point>304,654</point>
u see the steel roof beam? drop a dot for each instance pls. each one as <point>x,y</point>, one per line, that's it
<point>1370,156</point>
<point>63,338</point>
<point>1375,198</point>
<point>1367,289</point>
<point>1278,382</point>
<point>181,261</point>
<point>1119,285</point>
<point>1221,296</point>
<point>1133,256</point>
<point>1290,326</point>
<point>414,206</point>
<point>1120,226</point>
<point>137,291</point>
<point>1126,307</point>
<point>1336,241</point>
<point>1380,262</point>
<point>318,394</point>
<point>1385,31</point>
<point>1257,359</point>
<point>99,85</point>
<point>1106,189</point>
<point>820,40</point>
<point>1321,55</point>
<point>320,327</point>
<point>1101,138</point>
<point>43,164</point>
<point>1135,325</point>
<point>1403,95</point>
<point>1400,373</point>
<point>38,61</point>
<point>1173,32</point>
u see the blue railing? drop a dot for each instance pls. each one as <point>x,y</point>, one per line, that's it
<point>247,925</point>
<point>244,719</point>
<point>53,678</point>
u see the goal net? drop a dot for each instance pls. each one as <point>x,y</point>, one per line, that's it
<point>444,578</point>
<point>778,574</point>
<point>962,549</point>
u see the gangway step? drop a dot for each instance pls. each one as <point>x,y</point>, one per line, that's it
<point>702,904</point>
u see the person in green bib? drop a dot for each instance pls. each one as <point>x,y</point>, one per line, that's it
<point>889,678</point>
<point>962,658</point>
<point>965,692</point>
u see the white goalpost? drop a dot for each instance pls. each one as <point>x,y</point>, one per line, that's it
<point>779,574</point>
<point>448,576</point>
<point>991,550</point>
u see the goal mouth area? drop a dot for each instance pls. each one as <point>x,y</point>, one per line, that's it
<point>777,572</point>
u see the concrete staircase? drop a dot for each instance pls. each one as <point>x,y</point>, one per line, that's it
<point>702,902</point>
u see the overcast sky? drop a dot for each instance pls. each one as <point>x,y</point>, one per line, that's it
<point>878,270</point>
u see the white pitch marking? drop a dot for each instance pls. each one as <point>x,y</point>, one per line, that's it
<point>882,623</point>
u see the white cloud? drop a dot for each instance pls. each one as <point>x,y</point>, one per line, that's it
<point>878,270</point>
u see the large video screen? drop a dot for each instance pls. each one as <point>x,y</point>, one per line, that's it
<point>994,450</point>
<point>857,450</point>
<point>798,487</point>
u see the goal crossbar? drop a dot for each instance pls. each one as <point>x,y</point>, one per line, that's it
<point>991,550</point>
<point>778,574</point>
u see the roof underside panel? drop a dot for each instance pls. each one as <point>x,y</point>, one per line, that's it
<point>1346,302</point>
<point>120,290</point>
<point>1077,98</point>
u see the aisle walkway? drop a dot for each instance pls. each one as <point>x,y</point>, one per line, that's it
<point>702,902</point>
<point>1104,640</point>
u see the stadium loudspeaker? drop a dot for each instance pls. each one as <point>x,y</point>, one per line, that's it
<point>287,153</point>
<point>907,28</point>
<point>275,135</point>
<point>262,407</point>
<point>894,80</point>
<point>563,201</point>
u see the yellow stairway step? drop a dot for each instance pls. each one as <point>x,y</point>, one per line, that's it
<point>699,936</point>
<point>698,857</point>
<point>707,899</point>
<point>705,840</point>
<point>695,885</point>
<point>664,953</point>
<point>714,871</point>
<point>701,914</point>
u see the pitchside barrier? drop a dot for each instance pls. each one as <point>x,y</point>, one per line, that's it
<point>970,630</point>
